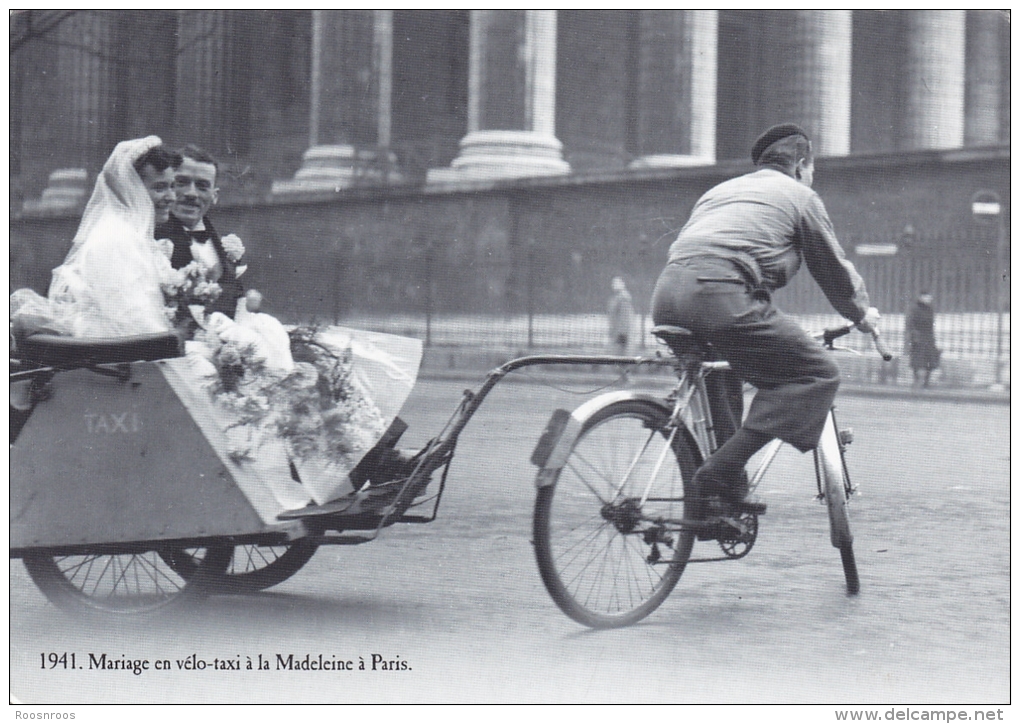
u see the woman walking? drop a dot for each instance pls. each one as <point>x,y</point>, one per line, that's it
<point>920,339</point>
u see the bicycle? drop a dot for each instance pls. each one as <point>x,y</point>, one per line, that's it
<point>610,537</point>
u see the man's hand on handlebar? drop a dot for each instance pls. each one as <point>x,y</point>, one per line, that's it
<point>870,322</point>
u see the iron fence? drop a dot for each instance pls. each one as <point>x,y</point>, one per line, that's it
<point>518,294</point>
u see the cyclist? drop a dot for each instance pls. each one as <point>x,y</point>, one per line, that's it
<point>746,238</point>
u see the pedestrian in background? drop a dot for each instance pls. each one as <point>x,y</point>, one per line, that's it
<point>621,318</point>
<point>925,356</point>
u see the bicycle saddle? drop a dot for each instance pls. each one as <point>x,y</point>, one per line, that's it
<point>682,341</point>
<point>49,349</point>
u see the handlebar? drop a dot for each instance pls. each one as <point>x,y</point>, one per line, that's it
<point>829,335</point>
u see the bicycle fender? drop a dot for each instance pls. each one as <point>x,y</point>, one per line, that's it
<point>830,466</point>
<point>563,428</point>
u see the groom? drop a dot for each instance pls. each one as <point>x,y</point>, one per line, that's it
<point>191,231</point>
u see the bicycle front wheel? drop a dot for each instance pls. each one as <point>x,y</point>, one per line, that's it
<point>608,535</point>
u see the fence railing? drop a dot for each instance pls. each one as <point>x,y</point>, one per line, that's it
<point>523,295</point>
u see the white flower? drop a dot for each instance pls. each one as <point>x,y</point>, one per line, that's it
<point>207,291</point>
<point>233,247</point>
<point>171,279</point>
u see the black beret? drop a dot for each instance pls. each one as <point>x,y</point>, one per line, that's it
<point>776,133</point>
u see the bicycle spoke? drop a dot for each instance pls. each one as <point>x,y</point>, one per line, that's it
<point>633,463</point>
<point>658,466</point>
<point>123,576</point>
<point>600,525</point>
<point>580,547</point>
<point>158,574</point>
<point>583,479</point>
<point>597,581</point>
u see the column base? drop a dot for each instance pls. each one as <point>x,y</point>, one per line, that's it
<point>329,169</point>
<point>67,191</point>
<point>670,160</point>
<point>503,155</point>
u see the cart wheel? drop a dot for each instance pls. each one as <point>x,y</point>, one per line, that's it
<point>251,567</point>
<point>124,583</point>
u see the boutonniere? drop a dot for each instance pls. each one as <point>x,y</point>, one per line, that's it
<point>233,247</point>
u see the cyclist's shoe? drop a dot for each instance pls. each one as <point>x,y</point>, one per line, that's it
<point>742,502</point>
<point>711,525</point>
<point>735,495</point>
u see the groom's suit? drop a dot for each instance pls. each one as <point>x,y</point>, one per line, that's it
<point>182,239</point>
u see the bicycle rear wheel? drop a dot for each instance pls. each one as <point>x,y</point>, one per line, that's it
<point>608,539</point>
<point>834,481</point>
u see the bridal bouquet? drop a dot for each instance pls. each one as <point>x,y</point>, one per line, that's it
<point>316,407</point>
<point>185,287</point>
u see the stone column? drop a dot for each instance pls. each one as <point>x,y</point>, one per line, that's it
<point>86,80</point>
<point>203,48</point>
<point>676,87</point>
<point>807,76</point>
<point>984,78</point>
<point>350,106</point>
<point>85,68</point>
<point>933,80</point>
<point>511,99</point>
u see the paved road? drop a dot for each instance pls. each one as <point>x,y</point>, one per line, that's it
<point>459,602</point>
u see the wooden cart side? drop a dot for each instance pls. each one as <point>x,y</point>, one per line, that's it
<point>103,460</point>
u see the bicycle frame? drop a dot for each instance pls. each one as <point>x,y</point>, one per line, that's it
<point>692,408</point>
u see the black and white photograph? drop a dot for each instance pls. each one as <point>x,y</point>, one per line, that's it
<point>515,356</point>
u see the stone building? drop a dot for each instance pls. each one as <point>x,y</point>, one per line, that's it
<point>303,103</point>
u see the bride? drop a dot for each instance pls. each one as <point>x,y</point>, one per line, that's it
<point>109,283</point>
<point>271,416</point>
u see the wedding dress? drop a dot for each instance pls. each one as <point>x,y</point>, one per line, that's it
<point>109,283</point>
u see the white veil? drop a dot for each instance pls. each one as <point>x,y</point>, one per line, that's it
<point>109,283</point>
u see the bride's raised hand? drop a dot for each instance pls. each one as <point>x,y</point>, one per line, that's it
<point>119,167</point>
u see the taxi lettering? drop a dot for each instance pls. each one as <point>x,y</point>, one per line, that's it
<point>124,422</point>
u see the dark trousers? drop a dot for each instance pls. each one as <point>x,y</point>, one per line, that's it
<point>795,377</point>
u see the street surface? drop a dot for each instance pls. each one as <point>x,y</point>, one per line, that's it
<point>457,611</point>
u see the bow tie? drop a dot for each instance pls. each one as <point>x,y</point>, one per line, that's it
<point>201,236</point>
